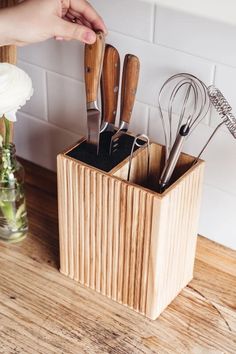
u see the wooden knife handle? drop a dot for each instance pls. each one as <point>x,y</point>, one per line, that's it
<point>130,79</point>
<point>110,83</point>
<point>93,61</point>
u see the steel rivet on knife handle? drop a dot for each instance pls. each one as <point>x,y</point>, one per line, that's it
<point>110,82</point>
<point>93,62</point>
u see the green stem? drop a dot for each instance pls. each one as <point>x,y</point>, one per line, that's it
<point>8,211</point>
<point>7,131</point>
<point>7,207</point>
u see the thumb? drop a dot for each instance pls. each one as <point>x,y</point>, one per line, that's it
<point>68,30</point>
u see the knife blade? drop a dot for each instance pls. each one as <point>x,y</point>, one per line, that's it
<point>93,62</point>
<point>110,82</point>
<point>130,77</point>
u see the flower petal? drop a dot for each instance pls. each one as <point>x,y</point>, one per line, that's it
<point>15,89</point>
<point>11,116</point>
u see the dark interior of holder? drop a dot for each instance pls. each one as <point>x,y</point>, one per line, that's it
<point>104,161</point>
<point>150,179</point>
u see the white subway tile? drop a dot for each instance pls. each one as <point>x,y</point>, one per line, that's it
<point>37,105</point>
<point>220,157</point>
<point>63,57</point>
<point>139,120</point>
<point>40,142</point>
<point>197,35</point>
<point>217,220</point>
<point>133,18</point>
<point>155,129</point>
<point>158,64</point>
<point>66,103</point>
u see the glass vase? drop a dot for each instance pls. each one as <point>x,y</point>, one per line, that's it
<point>13,215</point>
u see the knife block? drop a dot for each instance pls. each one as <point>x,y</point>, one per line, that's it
<point>124,239</point>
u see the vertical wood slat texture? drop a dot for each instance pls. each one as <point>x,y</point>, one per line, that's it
<point>8,54</point>
<point>104,252</point>
<point>125,241</point>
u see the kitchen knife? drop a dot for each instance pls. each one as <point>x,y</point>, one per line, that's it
<point>130,79</point>
<point>93,62</point>
<point>110,88</point>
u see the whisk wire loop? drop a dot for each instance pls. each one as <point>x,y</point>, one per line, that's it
<point>195,106</point>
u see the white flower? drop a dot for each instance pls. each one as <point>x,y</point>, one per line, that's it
<point>15,90</point>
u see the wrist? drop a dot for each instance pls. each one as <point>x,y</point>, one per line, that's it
<point>5,27</point>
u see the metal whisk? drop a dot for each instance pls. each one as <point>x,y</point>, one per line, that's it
<point>224,109</point>
<point>196,99</point>
<point>195,103</point>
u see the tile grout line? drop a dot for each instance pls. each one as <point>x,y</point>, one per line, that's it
<point>51,71</point>
<point>214,74</point>
<point>47,123</point>
<point>148,120</point>
<point>46,95</point>
<point>224,191</point>
<point>154,19</point>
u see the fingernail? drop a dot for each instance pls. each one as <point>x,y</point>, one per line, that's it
<point>105,31</point>
<point>89,37</point>
<point>59,38</point>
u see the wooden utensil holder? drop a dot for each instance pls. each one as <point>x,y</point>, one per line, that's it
<point>124,239</point>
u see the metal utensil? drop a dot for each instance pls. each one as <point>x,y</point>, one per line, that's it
<point>110,82</point>
<point>192,92</point>
<point>224,109</point>
<point>173,157</point>
<point>93,62</point>
<point>136,143</point>
<point>130,79</point>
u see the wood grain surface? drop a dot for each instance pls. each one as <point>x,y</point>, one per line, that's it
<point>110,82</point>
<point>93,63</point>
<point>42,311</point>
<point>130,78</point>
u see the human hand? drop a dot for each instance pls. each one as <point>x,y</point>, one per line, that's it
<point>37,20</point>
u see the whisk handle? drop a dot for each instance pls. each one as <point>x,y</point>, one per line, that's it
<point>173,157</point>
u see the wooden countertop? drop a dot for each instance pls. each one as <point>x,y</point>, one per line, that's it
<point>42,311</point>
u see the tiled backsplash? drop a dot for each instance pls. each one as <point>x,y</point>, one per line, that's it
<point>167,42</point>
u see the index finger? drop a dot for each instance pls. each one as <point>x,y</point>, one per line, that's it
<point>89,13</point>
